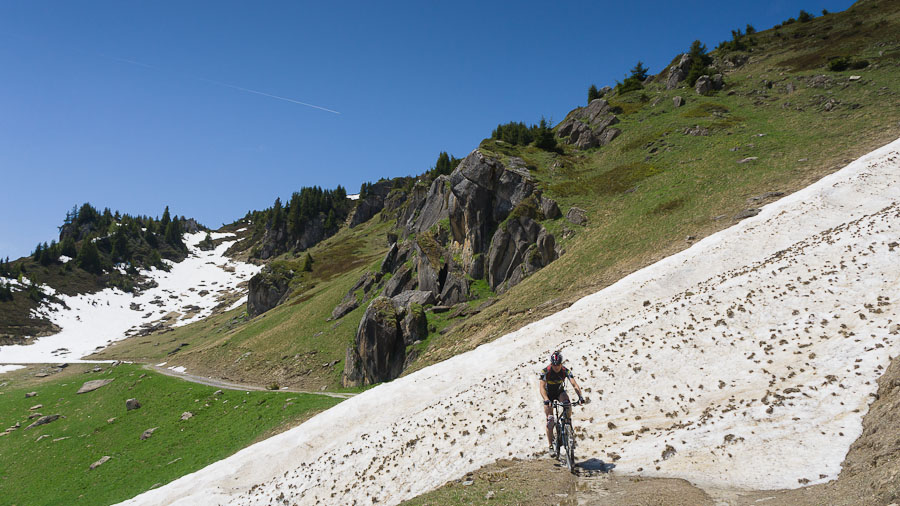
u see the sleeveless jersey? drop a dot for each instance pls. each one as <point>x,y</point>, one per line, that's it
<point>555,380</point>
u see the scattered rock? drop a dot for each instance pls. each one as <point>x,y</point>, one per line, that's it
<point>30,394</point>
<point>577,216</point>
<point>696,131</point>
<point>42,437</point>
<point>100,462</point>
<point>218,393</point>
<point>147,433</point>
<point>855,78</point>
<point>748,159</point>
<point>765,196</point>
<point>43,421</point>
<point>668,452</point>
<point>186,415</point>
<point>36,407</point>
<point>678,101</point>
<point>92,385</point>
<point>747,213</point>
<point>489,495</point>
<point>550,208</point>
<point>131,404</point>
<point>111,420</point>
<point>468,483</point>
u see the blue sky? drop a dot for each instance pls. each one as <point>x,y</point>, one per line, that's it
<point>135,105</point>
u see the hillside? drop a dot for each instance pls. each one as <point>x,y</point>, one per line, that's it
<point>665,235</point>
<point>654,190</point>
<point>747,361</point>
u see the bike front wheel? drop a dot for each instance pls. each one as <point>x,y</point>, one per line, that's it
<point>570,448</point>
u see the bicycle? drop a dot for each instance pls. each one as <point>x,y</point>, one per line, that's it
<point>565,434</point>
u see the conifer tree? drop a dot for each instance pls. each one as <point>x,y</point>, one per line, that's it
<point>67,247</point>
<point>593,93</point>
<point>544,138</point>
<point>166,219</point>
<point>88,257</point>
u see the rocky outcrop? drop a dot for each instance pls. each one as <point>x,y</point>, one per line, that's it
<point>267,289</point>
<point>379,350</point>
<point>372,204</point>
<point>585,127</point>
<point>358,293</point>
<point>679,71</point>
<point>401,281</point>
<point>277,240</point>
<point>519,248</point>
<point>92,385</point>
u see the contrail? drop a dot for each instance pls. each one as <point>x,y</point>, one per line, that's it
<point>248,90</point>
<point>219,83</point>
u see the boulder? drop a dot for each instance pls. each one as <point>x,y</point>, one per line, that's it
<point>90,386</point>
<point>131,404</point>
<point>379,351</point>
<point>30,394</point>
<point>703,85</point>
<point>678,101</point>
<point>103,460</point>
<point>675,77</point>
<point>577,216</point>
<point>550,208</point>
<point>43,421</point>
<point>267,288</point>
<point>718,81</point>
<point>405,299</point>
<point>345,306</point>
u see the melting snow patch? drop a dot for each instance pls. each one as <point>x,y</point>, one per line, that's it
<point>10,367</point>
<point>93,321</point>
<point>180,369</point>
<point>747,360</point>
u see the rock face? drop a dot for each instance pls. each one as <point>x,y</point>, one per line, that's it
<point>519,248</point>
<point>277,241</point>
<point>90,386</point>
<point>379,350</point>
<point>585,127</point>
<point>267,288</point>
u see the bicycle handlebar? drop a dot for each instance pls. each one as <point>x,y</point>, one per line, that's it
<point>564,404</point>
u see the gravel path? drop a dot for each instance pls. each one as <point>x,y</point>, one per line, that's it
<point>228,385</point>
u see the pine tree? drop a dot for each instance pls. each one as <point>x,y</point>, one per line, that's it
<point>88,257</point>
<point>699,62</point>
<point>166,219</point>
<point>593,93</point>
<point>639,72</point>
<point>544,138</point>
<point>67,247</point>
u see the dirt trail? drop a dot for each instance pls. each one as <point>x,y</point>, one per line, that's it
<point>227,385</point>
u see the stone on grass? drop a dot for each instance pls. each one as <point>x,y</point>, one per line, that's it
<point>147,433</point>
<point>577,216</point>
<point>90,386</point>
<point>43,421</point>
<point>186,415</point>
<point>100,462</point>
<point>36,407</point>
<point>132,404</point>
<point>30,394</point>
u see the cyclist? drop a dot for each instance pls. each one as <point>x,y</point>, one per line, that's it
<point>552,387</point>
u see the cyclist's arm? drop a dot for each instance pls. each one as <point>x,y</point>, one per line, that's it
<point>542,387</point>
<point>575,385</point>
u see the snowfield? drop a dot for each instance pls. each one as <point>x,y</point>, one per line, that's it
<point>187,293</point>
<point>745,361</point>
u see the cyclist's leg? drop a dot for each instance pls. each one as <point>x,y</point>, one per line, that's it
<point>564,398</point>
<point>548,412</point>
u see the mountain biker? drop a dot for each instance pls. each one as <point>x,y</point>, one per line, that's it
<point>552,387</point>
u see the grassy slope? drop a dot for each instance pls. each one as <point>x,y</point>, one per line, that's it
<point>36,472</point>
<point>289,344</point>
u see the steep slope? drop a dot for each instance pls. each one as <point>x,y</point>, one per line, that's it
<point>747,360</point>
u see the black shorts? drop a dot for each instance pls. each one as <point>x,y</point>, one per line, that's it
<point>560,396</point>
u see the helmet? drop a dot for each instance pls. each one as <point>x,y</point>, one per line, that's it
<point>556,358</point>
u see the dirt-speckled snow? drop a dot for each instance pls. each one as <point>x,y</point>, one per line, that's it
<point>186,293</point>
<point>747,360</point>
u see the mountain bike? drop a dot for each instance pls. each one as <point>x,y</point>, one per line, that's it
<point>564,443</point>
